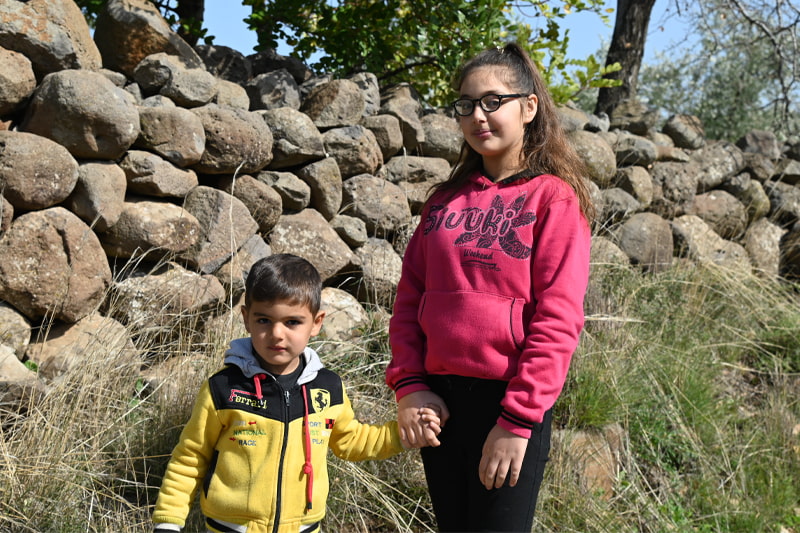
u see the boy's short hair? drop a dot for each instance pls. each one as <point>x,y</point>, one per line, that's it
<point>284,277</point>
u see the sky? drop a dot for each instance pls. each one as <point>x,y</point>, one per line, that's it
<point>666,34</point>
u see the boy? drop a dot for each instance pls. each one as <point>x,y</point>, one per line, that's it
<point>261,427</point>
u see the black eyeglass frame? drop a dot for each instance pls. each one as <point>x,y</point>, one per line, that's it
<point>479,101</point>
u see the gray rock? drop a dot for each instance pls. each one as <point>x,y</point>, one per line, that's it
<point>174,133</point>
<point>788,171</point>
<point>676,185</point>
<point>225,63</point>
<point>443,137</point>
<point>618,205</point>
<point>159,306</point>
<point>634,116</point>
<point>309,235</point>
<point>148,174</point>
<point>345,317</point>
<point>325,181</point>
<point>370,88</point>
<point>96,119</point>
<point>784,202</point>
<point>127,31</point>
<point>760,142</point>
<point>697,241</point>
<point>99,195</point>
<point>263,202</point>
<point>381,267</point>
<point>352,230</point>
<point>387,132</point>
<point>269,60</point>
<point>295,193</point>
<point>686,131</point>
<point>6,214</point>
<point>234,272</point>
<point>35,182</point>
<point>763,245</point>
<point>15,329</point>
<point>52,264</point>
<point>597,156</point>
<point>296,140</point>
<point>647,240</point>
<point>273,90</point>
<point>66,347</point>
<point>335,104</point>
<point>379,203</point>
<point>231,95</point>
<point>155,228</point>
<point>723,212</point>
<point>191,87</point>
<point>355,150</point>
<point>237,141</point>
<point>52,34</point>
<point>634,150</point>
<point>717,161</point>
<point>154,71</point>
<point>637,182</point>
<point>17,81</point>
<point>225,224</point>
<point>402,101</point>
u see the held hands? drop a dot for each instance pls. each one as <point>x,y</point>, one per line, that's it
<point>420,417</point>
<point>502,458</point>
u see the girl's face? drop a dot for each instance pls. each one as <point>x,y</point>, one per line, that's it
<point>497,136</point>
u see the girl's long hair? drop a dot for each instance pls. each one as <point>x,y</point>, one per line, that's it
<point>546,149</point>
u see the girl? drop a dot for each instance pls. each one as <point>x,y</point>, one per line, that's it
<point>490,303</point>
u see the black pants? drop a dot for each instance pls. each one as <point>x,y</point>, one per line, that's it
<point>460,501</point>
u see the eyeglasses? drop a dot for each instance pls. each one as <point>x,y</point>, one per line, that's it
<point>489,103</point>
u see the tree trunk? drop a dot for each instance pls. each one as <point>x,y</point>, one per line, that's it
<point>627,49</point>
<point>191,12</point>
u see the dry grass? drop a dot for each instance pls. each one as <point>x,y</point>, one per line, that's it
<point>700,366</point>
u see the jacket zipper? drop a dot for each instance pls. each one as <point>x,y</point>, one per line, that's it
<point>278,498</point>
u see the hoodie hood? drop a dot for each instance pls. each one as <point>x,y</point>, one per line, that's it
<point>241,355</point>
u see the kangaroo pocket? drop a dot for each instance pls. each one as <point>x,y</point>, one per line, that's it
<point>469,332</point>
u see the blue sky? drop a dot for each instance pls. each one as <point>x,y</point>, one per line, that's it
<point>587,32</point>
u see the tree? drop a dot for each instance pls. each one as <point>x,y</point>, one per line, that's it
<point>422,42</point>
<point>627,50</point>
<point>741,75</point>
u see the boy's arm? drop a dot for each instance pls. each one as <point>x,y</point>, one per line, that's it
<point>355,441</point>
<point>189,462</point>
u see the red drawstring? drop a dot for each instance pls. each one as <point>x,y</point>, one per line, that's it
<point>308,469</point>
<point>257,379</point>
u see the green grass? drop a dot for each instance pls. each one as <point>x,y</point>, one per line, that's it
<point>701,367</point>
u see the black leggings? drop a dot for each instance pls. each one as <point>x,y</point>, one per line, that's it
<point>460,501</point>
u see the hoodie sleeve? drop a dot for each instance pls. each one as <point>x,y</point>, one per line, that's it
<point>352,440</point>
<point>406,371</point>
<point>189,462</point>
<point>559,274</point>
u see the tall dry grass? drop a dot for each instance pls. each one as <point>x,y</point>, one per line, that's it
<point>699,365</point>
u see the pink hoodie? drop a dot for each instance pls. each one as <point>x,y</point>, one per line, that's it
<point>492,287</point>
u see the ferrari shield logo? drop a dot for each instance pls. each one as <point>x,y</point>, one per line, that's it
<point>320,399</point>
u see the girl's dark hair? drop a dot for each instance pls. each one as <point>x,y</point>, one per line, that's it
<point>284,277</point>
<point>546,149</point>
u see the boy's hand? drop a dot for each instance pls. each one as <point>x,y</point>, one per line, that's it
<point>414,431</point>
<point>431,416</point>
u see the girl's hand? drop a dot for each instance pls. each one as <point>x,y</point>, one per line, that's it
<point>502,458</point>
<point>417,429</point>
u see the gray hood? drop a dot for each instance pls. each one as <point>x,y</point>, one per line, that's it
<point>241,354</point>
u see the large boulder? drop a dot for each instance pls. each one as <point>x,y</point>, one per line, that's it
<point>35,182</point>
<point>52,34</point>
<point>52,264</point>
<point>96,119</point>
<point>127,31</point>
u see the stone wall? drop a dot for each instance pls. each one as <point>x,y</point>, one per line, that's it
<point>140,178</point>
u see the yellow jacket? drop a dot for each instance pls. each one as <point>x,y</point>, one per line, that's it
<point>247,443</point>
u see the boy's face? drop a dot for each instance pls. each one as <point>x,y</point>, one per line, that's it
<point>280,332</point>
